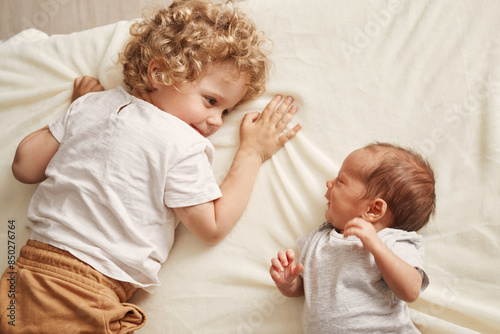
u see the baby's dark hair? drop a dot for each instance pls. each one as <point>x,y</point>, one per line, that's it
<point>188,36</point>
<point>405,181</point>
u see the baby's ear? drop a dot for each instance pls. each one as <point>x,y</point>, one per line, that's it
<point>375,210</point>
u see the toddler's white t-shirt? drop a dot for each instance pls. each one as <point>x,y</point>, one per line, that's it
<point>121,167</point>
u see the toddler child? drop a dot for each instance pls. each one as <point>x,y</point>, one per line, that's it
<point>120,167</point>
<point>359,268</point>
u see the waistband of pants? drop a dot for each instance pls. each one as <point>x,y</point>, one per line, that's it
<point>51,258</point>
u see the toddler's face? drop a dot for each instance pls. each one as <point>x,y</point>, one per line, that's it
<point>202,103</point>
<point>345,193</point>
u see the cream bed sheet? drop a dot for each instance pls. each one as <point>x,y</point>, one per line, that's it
<point>423,74</point>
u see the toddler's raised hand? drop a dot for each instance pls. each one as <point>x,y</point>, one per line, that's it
<point>263,133</point>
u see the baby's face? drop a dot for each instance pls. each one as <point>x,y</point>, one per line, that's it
<point>345,193</point>
<point>202,103</point>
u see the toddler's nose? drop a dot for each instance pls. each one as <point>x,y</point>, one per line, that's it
<point>215,120</point>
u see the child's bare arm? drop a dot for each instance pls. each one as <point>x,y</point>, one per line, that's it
<point>33,155</point>
<point>37,149</point>
<point>403,279</point>
<point>286,275</point>
<point>261,136</point>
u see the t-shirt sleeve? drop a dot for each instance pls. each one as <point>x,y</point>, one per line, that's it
<point>57,127</point>
<point>191,180</point>
<point>411,250</point>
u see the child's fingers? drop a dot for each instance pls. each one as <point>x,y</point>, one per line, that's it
<point>83,81</point>
<point>349,229</point>
<point>88,84</point>
<point>290,254</point>
<point>276,265</point>
<point>77,82</point>
<point>284,118</point>
<point>250,118</point>
<point>271,106</point>
<point>278,116</point>
<point>289,134</point>
<point>275,275</point>
<point>282,256</point>
<point>354,225</point>
<point>298,269</point>
<point>84,85</point>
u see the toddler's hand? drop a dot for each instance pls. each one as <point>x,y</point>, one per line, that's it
<point>283,269</point>
<point>262,133</point>
<point>84,85</point>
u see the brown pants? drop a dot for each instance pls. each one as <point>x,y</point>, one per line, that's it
<point>51,291</point>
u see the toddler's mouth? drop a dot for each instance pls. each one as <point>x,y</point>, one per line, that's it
<point>198,130</point>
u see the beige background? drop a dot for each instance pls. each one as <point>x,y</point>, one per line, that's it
<point>64,16</point>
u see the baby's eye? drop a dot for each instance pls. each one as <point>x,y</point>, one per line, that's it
<point>210,100</point>
<point>225,112</point>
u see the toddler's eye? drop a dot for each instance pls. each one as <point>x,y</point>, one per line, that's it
<point>210,100</point>
<point>225,112</point>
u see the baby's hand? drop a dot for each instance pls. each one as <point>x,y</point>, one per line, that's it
<point>364,230</point>
<point>84,85</point>
<point>283,269</point>
<point>262,134</point>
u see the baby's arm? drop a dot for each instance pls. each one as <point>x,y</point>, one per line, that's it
<point>261,136</point>
<point>286,275</point>
<point>403,279</point>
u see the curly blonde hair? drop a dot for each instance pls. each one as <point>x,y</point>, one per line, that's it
<point>188,36</point>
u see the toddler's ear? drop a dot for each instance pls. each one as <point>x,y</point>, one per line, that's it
<point>375,210</point>
<point>154,73</point>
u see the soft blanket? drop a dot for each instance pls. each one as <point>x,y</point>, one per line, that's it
<point>422,74</point>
